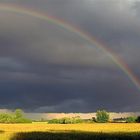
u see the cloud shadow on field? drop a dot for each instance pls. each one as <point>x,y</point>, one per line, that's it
<point>75,135</point>
<point>2,131</point>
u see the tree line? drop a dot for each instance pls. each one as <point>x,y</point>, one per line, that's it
<point>102,116</point>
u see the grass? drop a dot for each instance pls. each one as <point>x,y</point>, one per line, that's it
<point>44,131</point>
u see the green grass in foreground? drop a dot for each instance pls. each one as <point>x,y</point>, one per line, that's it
<point>75,135</point>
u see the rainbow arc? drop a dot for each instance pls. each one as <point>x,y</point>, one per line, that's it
<point>93,40</point>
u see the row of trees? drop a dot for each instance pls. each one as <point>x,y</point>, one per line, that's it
<point>16,117</point>
<point>102,116</point>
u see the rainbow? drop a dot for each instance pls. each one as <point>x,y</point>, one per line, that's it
<point>44,16</point>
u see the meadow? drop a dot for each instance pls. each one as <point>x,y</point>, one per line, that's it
<point>95,131</point>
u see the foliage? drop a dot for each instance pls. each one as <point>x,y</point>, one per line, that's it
<point>131,119</point>
<point>138,119</point>
<point>6,118</point>
<point>22,120</point>
<point>93,119</point>
<point>16,117</point>
<point>66,120</point>
<point>18,113</point>
<point>53,121</point>
<point>102,116</point>
<point>76,119</point>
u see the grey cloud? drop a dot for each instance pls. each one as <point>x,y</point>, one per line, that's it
<point>98,93</point>
<point>47,68</point>
<point>40,41</point>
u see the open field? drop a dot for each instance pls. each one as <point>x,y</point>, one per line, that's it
<point>44,131</point>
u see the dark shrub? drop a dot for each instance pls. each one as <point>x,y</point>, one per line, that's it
<point>138,119</point>
<point>131,119</point>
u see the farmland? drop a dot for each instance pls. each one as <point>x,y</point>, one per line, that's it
<point>43,131</point>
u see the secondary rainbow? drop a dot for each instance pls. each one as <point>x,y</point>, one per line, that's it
<point>44,16</point>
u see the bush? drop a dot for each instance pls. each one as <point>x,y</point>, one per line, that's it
<point>102,116</point>
<point>66,120</point>
<point>76,119</point>
<point>131,119</point>
<point>22,120</point>
<point>6,118</point>
<point>93,119</point>
<point>138,119</point>
<point>54,121</point>
<point>16,117</point>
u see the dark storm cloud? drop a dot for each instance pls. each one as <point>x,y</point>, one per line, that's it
<point>46,68</point>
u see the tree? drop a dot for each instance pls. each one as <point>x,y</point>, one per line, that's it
<point>131,119</point>
<point>102,116</point>
<point>19,117</point>
<point>18,113</point>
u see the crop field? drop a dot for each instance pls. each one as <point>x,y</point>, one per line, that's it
<point>44,131</point>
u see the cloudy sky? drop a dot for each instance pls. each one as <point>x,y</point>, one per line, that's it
<point>47,68</point>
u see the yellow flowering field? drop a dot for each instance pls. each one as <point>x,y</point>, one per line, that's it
<point>7,131</point>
